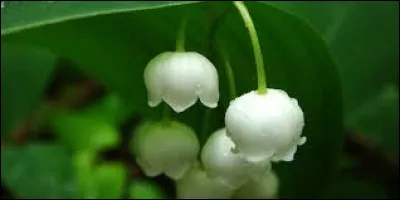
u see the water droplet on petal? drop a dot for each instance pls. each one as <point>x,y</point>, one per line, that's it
<point>198,88</point>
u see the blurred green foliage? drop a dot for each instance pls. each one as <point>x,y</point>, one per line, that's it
<point>142,189</point>
<point>84,132</point>
<point>25,72</point>
<point>38,170</point>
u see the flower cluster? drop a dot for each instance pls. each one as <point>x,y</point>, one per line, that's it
<point>235,161</point>
<point>260,129</point>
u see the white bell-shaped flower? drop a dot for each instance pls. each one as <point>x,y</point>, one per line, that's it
<point>180,78</point>
<point>165,147</point>
<point>265,188</point>
<point>267,126</point>
<point>196,184</point>
<point>220,162</point>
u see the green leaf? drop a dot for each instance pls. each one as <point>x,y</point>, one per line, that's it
<point>109,180</point>
<point>111,107</point>
<point>104,181</point>
<point>17,16</point>
<point>353,188</point>
<point>114,49</point>
<point>83,162</point>
<point>143,189</point>
<point>25,71</point>
<point>81,131</point>
<point>39,171</point>
<point>378,119</point>
<point>364,38</point>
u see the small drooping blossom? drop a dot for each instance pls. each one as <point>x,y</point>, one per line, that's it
<point>196,184</point>
<point>220,162</point>
<point>265,126</point>
<point>267,187</point>
<point>180,79</point>
<point>166,147</point>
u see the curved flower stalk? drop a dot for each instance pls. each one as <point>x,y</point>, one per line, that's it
<point>265,188</point>
<point>265,127</point>
<point>196,184</point>
<point>166,147</point>
<point>230,168</point>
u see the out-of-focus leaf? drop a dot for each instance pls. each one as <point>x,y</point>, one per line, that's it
<point>364,38</point>
<point>25,72</point>
<point>82,131</point>
<point>114,49</point>
<point>104,181</point>
<point>347,162</point>
<point>39,171</point>
<point>142,189</point>
<point>378,120</point>
<point>83,162</point>
<point>326,17</point>
<point>109,180</point>
<point>21,15</point>
<point>111,107</point>
<point>352,188</point>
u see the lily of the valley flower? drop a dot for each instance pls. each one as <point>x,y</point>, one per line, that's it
<point>265,188</point>
<point>165,147</point>
<point>230,168</point>
<point>180,78</point>
<point>265,126</point>
<point>196,184</point>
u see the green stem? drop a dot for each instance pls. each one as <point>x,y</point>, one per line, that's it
<point>180,42</point>
<point>262,83</point>
<point>213,42</point>
<point>229,72</point>
<point>214,28</point>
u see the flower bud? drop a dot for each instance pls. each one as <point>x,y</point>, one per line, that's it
<point>265,126</point>
<point>265,188</point>
<point>221,163</point>
<point>197,185</point>
<point>166,147</point>
<point>180,78</point>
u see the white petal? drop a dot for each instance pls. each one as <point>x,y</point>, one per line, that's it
<point>302,141</point>
<point>285,156</point>
<point>221,163</point>
<point>262,126</point>
<point>210,98</point>
<point>182,79</point>
<point>289,155</point>
<point>149,170</point>
<point>154,99</point>
<point>176,170</point>
<point>209,87</point>
<point>154,79</point>
<point>197,185</point>
<point>260,169</point>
